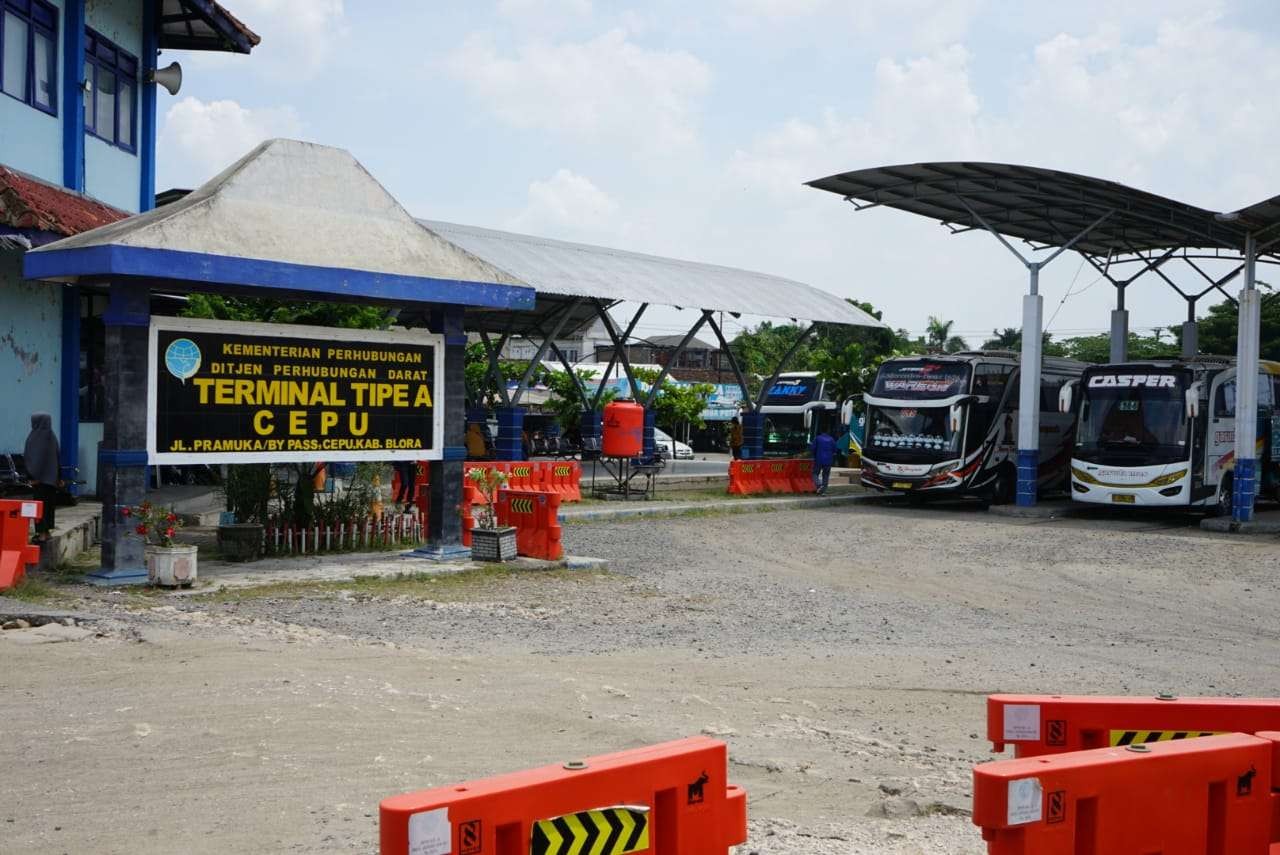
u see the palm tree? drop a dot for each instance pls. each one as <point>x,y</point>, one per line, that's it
<point>938,336</point>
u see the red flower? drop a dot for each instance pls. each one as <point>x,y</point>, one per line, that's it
<point>171,518</point>
<point>142,529</point>
<point>126,511</point>
<point>168,532</point>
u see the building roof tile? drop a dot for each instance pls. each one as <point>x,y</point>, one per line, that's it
<point>26,202</point>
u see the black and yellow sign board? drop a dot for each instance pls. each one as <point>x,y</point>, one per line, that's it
<point>1143,737</point>
<point>227,392</point>
<point>605,831</point>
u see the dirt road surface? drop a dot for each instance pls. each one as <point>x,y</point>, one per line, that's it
<point>843,654</point>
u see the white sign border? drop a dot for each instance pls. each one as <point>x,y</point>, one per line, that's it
<point>319,334</point>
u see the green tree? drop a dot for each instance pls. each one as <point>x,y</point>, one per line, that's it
<point>1097,348</point>
<point>938,337</point>
<point>261,310</point>
<point>1010,338</point>
<point>677,404</point>
<point>759,350</point>
<point>1219,329</point>
<point>566,400</point>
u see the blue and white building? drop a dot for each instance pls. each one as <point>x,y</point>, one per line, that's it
<point>78,112</point>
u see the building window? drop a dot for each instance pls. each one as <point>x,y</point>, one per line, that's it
<point>29,53</point>
<point>111,86</point>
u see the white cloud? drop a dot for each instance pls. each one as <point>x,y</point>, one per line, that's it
<point>606,89</point>
<point>199,139</point>
<point>298,36</point>
<point>544,8</point>
<point>568,206</point>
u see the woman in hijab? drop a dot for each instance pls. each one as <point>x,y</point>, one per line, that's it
<point>40,456</point>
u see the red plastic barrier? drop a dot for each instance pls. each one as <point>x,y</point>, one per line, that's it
<point>1210,796</point>
<point>563,479</point>
<point>1052,724</point>
<point>670,799</point>
<point>777,475</point>
<point>536,516</point>
<point>745,477</point>
<point>470,496</point>
<point>802,476</point>
<point>16,555</point>
<point>524,476</point>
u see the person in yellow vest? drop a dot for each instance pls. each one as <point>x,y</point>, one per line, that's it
<point>475,443</point>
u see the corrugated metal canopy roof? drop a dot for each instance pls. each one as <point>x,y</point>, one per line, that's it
<point>559,270</point>
<point>203,25</point>
<point>1045,206</point>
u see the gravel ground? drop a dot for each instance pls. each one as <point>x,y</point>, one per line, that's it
<point>844,654</point>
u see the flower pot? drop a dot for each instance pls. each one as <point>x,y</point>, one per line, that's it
<point>171,566</point>
<point>493,544</point>
<point>240,541</point>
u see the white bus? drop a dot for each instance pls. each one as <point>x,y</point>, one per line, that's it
<point>948,425</point>
<point>1162,433</point>
<point>795,408</point>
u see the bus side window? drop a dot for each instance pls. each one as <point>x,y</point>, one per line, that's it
<point>1264,392</point>
<point>1224,401</point>
<point>1049,387</point>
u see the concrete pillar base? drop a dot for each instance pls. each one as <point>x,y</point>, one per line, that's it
<point>1028,470</point>
<point>510,444</point>
<point>121,576</point>
<point>1244,485</point>
<point>752,436</point>
<point>441,553</point>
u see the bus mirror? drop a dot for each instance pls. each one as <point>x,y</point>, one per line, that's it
<point>808,419</point>
<point>955,418</point>
<point>846,412</point>
<point>1064,397</point>
<point>1193,401</point>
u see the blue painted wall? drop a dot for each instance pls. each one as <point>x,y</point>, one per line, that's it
<point>31,140</point>
<point>30,344</point>
<point>112,174</point>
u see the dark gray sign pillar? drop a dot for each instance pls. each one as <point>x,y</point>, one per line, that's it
<point>444,524</point>
<point>122,460</point>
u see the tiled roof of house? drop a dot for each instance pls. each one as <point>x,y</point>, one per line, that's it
<point>27,202</point>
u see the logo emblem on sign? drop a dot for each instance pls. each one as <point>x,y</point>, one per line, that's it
<point>182,358</point>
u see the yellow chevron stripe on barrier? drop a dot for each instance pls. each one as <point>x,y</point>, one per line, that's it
<point>605,831</point>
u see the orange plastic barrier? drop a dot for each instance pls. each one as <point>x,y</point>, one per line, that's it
<point>802,476</point>
<point>470,496</point>
<point>745,477</point>
<point>15,553</point>
<point>524,476</point>
<point>669,799</point>
<point>536,516</point>
<point>564,479</point>
<point>1052,724</point>
<point>777,475</point>
<point>1210,796</point>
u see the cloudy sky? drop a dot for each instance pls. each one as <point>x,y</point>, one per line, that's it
<point>687,129</point>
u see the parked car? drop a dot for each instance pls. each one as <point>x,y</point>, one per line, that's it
<point>664,443</point>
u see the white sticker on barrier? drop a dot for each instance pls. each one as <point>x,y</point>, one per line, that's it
<point>1022,722</point>
<point>430,833</point>
<point>1026,801</point>
<point>29,510</point>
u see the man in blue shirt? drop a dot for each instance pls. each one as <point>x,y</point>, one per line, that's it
<point>824,454</point>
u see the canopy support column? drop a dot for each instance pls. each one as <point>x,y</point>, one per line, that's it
<point>733,360</point>
<point>122,460</point>
<point>1190,332</point>
<point>495,371</point>
<point>1245,474</point>
<point>1029,366</point>
<point>1120,327</point>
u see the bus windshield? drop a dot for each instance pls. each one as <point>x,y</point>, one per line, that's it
<point>911,433</point>
<point>1133,419</point>
<point>921,378</point>
<point>785,434</point>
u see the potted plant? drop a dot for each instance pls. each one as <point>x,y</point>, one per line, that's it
<point>488,541</point>
<point>168,563</point>
<point>248,491</point>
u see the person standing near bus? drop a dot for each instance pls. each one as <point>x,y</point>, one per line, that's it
<point>824,455</point>
<point>735,438</point>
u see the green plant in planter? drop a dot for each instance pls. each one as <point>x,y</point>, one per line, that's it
<point>154,525</point>
<point>488,481</point>
<point>247,490</point>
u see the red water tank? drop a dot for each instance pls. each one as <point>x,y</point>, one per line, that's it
<point>623,429</point>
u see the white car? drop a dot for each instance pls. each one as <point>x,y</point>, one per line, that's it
<point>664,443</point>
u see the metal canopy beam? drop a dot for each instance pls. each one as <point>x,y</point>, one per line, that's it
<point>619,349</point>
<point>733,360</point>
<point>786,357</point>
<point>542,351</point>
<point>675,357</point>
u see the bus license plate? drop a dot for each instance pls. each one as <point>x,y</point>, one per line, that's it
<point>902,485</point>
<point>1123,498</point>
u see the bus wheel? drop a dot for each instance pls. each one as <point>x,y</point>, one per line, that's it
<point>1226,497</point>
<point>1005,486</point>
